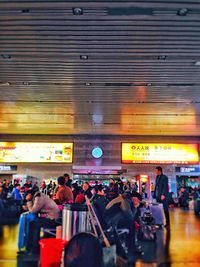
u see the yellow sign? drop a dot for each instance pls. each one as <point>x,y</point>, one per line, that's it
<point>160,153</point>
<point>36,152</point>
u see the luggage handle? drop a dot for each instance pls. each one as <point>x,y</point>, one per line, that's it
<point>92,216</point>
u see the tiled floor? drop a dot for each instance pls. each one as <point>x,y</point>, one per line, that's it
<point>178,247</point>
<point>8,245</point>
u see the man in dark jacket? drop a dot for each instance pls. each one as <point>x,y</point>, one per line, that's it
<point>161,192</point>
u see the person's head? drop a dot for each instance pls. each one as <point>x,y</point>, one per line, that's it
<point>29,194</point>
<point>61,180</point>
<point>158,170</point>
<point>75,186</point>
<point>67,178</point>
<point>18,186</point>
<point>111,182</point>
<point>136,202</point>
<point>182,189</point>
<point>85,186</point>
<point>136,194</point>
<point>100,190</point>
<point>26,187</point>
<point>83,249</point>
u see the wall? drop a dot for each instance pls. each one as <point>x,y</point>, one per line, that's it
<point>82,153</point>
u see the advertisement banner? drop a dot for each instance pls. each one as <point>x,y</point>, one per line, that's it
<point>22,152</point>
<point>160,153</point>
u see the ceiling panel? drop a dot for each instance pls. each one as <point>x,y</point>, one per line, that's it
<point>100,67</point>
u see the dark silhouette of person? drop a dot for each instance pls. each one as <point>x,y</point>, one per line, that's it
<point>84,249</point>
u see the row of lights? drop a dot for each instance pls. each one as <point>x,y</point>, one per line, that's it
<point>77,11</point>
<point>90,84</point>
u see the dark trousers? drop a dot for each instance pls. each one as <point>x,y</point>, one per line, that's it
<point>130,225</point>
<point>34,232</point>
<point>166,210</point>
<point>119,220</point>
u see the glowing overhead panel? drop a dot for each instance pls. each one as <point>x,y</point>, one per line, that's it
<point>160,153</point>
<point>36,152</point>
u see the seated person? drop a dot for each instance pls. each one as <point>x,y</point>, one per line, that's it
<point>99,202</point>
<point>76,189</point>
<point>64,193</point>
<point>171,199</point>
<point>184,198</point>
<point>136,194</point>
<point>40,203</point>
<point>86,190</point>
<point>119,212</point>
<point>83,249</point>
<point>113,190</point>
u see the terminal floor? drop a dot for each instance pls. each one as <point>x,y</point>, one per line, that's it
<point>180,246</point>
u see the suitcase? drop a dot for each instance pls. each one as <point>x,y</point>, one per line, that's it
<point>157,212</point>
<point>147,226</point>
<point>24,220</point>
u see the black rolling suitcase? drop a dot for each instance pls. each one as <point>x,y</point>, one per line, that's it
<point>148,227</point>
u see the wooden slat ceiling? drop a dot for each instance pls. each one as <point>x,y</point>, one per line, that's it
<point>119,67</point>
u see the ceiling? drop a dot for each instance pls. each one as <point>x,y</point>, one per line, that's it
<point>100,67</point>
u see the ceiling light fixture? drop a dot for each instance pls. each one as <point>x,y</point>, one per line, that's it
<point>5,83</point>
<point>5,56</point>
<point>87,84</point>
<point>83,57</point>
<point>149,84</point>
<point>163,57</point>
<point>25,10</point>
<point>77,11</point>
<point>182,12</point>
<point>197,63</point>
<point>26,83</point>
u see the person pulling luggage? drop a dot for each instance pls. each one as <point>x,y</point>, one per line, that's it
<point>161,192</point>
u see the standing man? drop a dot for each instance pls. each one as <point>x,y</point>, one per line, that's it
<point>161,192</point>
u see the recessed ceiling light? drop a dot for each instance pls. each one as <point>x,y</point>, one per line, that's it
<point>182,12</point>
<point>197,63</point>
<point>25,10</point>
<point>4,83</point>
<point>87,84</point>
<point>163,57</point>
<point>77,11</point>
<point>84,57</point>
<point>5,56</point>
<point>26,83</point>
<point>149,84</point>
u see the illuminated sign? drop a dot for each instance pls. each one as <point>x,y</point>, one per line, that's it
<point>97,152</point>
<point>8,167</point>
<point>36,152</point>
<point>187,169</point>
<point>160,153</point>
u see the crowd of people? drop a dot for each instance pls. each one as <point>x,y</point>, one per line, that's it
<point>116,204</point>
